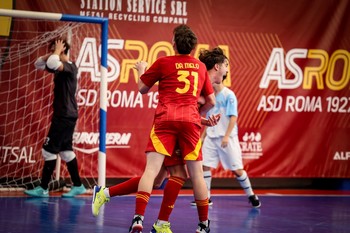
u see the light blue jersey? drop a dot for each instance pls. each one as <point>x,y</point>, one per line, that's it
<point>226,105</point>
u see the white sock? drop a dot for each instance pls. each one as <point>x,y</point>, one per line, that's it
<point>160,222</point>
<point>106,191</point>
<point>245,184</point>
<point>207,179</point>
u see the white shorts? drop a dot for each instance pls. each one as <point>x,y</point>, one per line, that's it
<point>230,156</point>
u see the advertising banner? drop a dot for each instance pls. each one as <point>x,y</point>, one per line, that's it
<point>289,68</point>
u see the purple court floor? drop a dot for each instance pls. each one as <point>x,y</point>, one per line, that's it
<point>229,213</point>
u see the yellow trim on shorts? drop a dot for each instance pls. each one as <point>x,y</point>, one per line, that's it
<point>157,144</point>
<point>194,154</point>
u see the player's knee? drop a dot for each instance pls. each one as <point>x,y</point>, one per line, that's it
<point>180,174</point>
<point>67,156</point>
<point>239,172</point>
<point>205,168</point>
<point>48,156</point>
<point>178,171</point>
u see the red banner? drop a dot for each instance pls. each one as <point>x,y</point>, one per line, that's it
<point>289,67</point>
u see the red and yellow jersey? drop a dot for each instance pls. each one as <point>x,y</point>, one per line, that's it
<point>182,79</point>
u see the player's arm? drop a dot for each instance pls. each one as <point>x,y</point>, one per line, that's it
<point>211,120</point>
<point>230,126</point>
<point>209,103</point>
<point>204,133</point>
<point>40,63</point>
<point>141,66</point>
<point>54,62</point>
<point>209,96</point>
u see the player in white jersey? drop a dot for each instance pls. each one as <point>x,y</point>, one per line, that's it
<point>221,143</point>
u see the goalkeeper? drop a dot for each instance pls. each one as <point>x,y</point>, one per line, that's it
<point>65,114</point>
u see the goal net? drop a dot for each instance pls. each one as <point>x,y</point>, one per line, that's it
<point>26,97</point>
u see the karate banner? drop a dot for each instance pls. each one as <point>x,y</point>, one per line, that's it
<point>289,68</point>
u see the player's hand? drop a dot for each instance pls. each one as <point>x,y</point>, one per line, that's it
<point>218,117</point>
<point>140,66</point>
<point>211,120</point>
<point>59,46</point>
<point>224,141</point>
<point>214,119</point>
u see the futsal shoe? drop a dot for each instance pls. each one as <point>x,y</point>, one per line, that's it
<point>254,200</point>
<point>136,225</point>
<point>75,190</point>
<point>210,203</point>
<point>203,227</point>
<point>162,228</point>
<point>98,199</point>
<point>37,192</point>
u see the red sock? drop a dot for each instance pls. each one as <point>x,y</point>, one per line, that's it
<point>202,208</point>
<point>142,199</point>
<point>171,191</point>
<point>127,187</point>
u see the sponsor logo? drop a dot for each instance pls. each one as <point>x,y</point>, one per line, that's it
<point>88,142</point>
<point>341,155</point>
<point>319,77</point>
<point>251,145</point>
<point>152,11</point>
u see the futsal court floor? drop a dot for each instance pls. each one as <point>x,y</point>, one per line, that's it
<point>285,211</point>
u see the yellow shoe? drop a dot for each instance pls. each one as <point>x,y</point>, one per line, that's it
<point>98,199</point>
<point>163,228</point>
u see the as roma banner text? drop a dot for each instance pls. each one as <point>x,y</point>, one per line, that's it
<point>289,68</point>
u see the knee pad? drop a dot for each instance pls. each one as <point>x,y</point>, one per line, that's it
<point>67,155</point>
<point>48,156</point>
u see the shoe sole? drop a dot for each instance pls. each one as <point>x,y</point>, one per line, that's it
<point>258,206</point>
<point>155,231</point>
<point>34,195</point>
<point>94,194</point>
<point>136,229</point>
<point>93,200</point>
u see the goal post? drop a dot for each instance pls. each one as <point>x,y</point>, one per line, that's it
<point>103,22</point>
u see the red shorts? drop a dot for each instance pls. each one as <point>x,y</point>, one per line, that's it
<point>166,136</point>
<point>174,159</point>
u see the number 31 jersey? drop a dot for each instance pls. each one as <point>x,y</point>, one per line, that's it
<point>182,79</point>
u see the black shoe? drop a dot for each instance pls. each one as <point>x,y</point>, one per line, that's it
<point>193,203</point>
<point>254,200</point>
<point>202,228</point>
